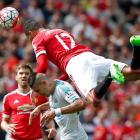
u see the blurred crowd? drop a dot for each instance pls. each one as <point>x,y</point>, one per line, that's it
<point>103,25</point>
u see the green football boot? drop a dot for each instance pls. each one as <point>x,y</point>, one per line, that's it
<point>116,74</point>
<point>135,40</point>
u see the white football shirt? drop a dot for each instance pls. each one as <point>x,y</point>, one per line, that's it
<point>69,124</point>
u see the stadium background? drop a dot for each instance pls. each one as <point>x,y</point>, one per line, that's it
<point>103,25</point>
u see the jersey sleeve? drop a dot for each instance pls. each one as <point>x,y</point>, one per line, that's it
<point>68,93</point>
<point>6,112</point>
<point>38,46</point>
<point>42,64</point>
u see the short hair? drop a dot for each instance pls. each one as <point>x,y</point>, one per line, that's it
<point>24,66</point>
<point>30,25</point>
<point>37,78</point>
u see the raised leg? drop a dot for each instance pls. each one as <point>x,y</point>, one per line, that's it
<point>135,63</point>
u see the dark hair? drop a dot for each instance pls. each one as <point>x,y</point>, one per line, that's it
<point>32,79</point>
<point>30,25</point>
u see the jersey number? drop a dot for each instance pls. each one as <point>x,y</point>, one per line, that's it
<point>60,40</point>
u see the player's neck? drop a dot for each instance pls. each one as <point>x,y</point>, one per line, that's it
<point>24,89</point>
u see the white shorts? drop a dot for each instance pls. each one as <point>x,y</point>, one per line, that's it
<point>87,69</point>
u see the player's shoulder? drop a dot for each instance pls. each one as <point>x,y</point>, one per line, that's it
<point>56,31</point>
<point>63,85</point>
<point>59,83</point>
<point>10,94</point>
<point>46,34</point>
<point>38,37</point>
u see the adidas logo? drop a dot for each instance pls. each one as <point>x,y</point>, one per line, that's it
<point>16,101</point>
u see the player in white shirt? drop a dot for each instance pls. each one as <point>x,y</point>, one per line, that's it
<point>64,104</point>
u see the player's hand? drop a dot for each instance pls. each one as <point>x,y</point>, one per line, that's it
<point>10,128</point>
<point>48,116</point>
<point>51,132</point>
<point>34,114</point>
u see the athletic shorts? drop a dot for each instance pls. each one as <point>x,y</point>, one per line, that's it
<point>87,69</point>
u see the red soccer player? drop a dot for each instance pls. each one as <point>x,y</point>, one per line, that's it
<point>76,61</point>
<point>17,107</point>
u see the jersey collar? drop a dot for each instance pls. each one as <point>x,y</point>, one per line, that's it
<point>24,94</point>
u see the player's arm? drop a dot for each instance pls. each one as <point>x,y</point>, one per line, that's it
<point>41,54</point>
<point>37,111</point>
<point>5,122</point>
<point>76,104</point>
<point>42,63</point>
<point>7,126</point>
<point>49,115</point>
<point>44,106</point>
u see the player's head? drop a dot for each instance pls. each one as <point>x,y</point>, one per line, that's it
<point>23,72</point>
<point>31,28</point>
<point>42,85</point>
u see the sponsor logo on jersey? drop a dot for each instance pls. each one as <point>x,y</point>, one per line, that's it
<point>26,107</point>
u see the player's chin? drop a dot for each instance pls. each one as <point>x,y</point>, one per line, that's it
<point>24,84</point>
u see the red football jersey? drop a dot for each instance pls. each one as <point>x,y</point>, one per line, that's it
<point>18,106</point>
<point>58,45</point>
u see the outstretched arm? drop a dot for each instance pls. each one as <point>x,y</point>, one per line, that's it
<point>76,106</point>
